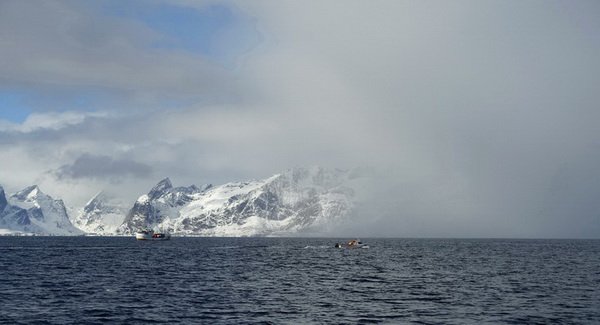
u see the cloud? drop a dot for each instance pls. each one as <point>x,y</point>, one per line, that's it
<point>47,121</point>
<point>469,108</point>
<point>96,166</point>
<point>58,50</point>
<point>478,116</point>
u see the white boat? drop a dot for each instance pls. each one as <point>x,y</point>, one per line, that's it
<point>151,235</point>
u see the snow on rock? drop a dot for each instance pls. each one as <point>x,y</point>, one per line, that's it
<point>32,211</point>
<point>161,204</point>
<point>299,200</point>
<point>102,215</point>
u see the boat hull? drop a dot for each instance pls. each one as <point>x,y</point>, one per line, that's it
<point>352,244</point>
<point>142,237</point>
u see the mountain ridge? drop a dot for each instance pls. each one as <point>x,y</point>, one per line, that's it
<point>299,200</point>
<point>32,211</point>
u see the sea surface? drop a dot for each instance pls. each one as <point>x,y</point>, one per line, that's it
<point>97,280</point>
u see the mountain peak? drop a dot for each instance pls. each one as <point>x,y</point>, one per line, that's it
<point>160,188</point>
<point>94,202</point>
<point>29,193</point>
<point>96,197</point>
<point>165,182</point>
<point>49,216</point>
<point>33,190</point>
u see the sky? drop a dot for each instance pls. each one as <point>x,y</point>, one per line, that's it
<point>479,118</point>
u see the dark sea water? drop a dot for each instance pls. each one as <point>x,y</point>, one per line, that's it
<point>88,280</point>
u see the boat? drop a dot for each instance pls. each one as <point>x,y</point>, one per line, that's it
<point>354,243</point>
<point>151,235</point>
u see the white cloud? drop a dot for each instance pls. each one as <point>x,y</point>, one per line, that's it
<point>51,121</point>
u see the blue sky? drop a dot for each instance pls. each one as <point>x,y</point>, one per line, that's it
<point>13,107</point>
<point>215,32</point>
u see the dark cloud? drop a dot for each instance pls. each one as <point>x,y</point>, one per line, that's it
<point>103,167</point>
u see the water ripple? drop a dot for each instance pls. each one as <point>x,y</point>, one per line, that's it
<point>54,280</point>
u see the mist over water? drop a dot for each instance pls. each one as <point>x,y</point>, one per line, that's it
<point>298,280</point>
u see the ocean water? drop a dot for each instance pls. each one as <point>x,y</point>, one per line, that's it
<point>87,280</point>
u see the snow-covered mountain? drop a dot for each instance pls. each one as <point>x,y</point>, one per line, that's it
<point>33,211</point>
<point>163,201</point>
<point>13,218</point>
<point>300,200</point>
<point>295,201</point>
<point>102,215</point>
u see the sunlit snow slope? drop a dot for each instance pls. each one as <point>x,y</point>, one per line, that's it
<point>299,200</point>
<point>32,211</point>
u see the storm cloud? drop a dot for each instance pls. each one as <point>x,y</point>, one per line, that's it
<point>93,166</point>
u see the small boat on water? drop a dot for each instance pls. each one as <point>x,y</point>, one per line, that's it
<point>151,235</point>
<point>354,243</point>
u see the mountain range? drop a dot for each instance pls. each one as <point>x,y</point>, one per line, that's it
<point>300,200</point>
